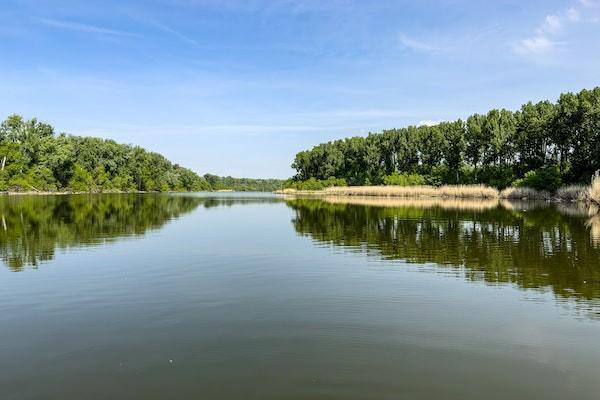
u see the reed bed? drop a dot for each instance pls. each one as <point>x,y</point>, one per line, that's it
<point>448,191</point>
<point>525,193</point>
<point>573,193</point>
<point>593,223</point>
<point>594,189</point>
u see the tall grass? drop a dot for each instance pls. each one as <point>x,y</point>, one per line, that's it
<point>524,193</point>
<point>594,190</point>
<point>573,193</point>
<point>453,191</point>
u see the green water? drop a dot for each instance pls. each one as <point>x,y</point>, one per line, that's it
<point>248,296</point>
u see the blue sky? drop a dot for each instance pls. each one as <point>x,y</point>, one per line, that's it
<point>238,87</point>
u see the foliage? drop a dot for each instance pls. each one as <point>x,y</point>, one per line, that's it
<point>33,157</point>
<point>243,184</point>
<point>404,179</point>
<point>495,148</point>
<point>547,178</point>
<point>315,184</point>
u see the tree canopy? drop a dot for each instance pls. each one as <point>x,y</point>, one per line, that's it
<point>559,140</point>
<point>33,157</point>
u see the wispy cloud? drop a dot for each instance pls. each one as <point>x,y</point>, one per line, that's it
<point>414,44</point>
<point>548,33</point>
<point>82,27</point>
<point>177,34</point>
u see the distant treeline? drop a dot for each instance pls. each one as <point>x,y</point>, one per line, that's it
<point>547,144</point>
<point>34,158</point>
<point>243,184</point>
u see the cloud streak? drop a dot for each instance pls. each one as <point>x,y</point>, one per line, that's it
<point>81,27</point>
<point>177,34</point>
<point>415,45</point>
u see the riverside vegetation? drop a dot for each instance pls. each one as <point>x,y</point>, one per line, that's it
<point>34,158</point>
<point>543,150</point>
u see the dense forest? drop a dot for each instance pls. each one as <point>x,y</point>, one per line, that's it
<point>34,158</point>
<point>543,145</point>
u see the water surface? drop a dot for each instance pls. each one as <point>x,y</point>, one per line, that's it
<point>258,297</point>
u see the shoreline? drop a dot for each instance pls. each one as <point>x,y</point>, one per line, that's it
<point>569,194</point>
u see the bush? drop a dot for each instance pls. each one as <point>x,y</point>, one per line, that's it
<point>547,178</point>
<point>82,180</point>
<point>437,176</point>
<point>315,184</point>
<point>404,179</point>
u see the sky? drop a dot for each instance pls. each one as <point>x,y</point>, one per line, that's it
<point>239,87</point>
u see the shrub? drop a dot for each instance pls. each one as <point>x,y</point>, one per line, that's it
<point>36,178</point>
<point>404,179</point>
<point>82,180</point>
<point>547,178</point>
<point>315,184</point>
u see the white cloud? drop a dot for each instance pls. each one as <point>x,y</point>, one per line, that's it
<point>535,45</point>
<point>573,14</point>
<point>552,24</point>
<point>429,122</point>
<point>546,37</point>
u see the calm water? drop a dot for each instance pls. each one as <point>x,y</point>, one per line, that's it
<point>257,297</point>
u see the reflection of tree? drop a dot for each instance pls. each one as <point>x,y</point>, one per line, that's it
<point>536,248</point>
<point>32,227</point>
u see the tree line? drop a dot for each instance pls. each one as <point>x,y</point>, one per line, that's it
<point>34,158</point>
<point>544,144</point>
<point>243,184</point>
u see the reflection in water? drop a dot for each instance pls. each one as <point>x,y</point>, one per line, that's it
<point>420,202</point>
<point>531,246</point>
<point>594,224</point>
<point>32,227</point>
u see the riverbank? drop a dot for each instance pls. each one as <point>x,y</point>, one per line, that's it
<point>573,193</point>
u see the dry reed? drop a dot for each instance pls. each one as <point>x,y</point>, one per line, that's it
<point>447,191</point>
<point>524,193</point>
<point>594,190</point>
<point>573,193</point>
<point>594,224</point>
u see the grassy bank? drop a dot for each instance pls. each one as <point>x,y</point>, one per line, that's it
<point>573,193</point>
